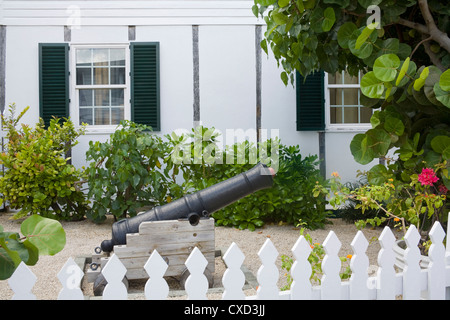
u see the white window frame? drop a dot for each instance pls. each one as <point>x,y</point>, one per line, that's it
<point>74,96</point>
<point>340,126</point>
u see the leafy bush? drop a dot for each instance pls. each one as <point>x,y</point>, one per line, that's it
<point>124,173</point>
<point>289,200</point>
<point>38,178</point>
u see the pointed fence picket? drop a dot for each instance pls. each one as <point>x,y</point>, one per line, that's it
<point>412,283</point>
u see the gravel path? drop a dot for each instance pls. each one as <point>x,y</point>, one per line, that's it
<point>84,236</point>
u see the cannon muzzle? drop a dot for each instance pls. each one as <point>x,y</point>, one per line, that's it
<point>197,205</point>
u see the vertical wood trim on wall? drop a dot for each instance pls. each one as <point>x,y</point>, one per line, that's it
<point>67,33</point>
<point>196,73</point>
<point>322,155</point>
<point>2,67</point>
<point>131,33</point>
<point>258,35</point>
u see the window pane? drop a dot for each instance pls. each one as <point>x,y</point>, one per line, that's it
<point>86,98</point>
<point>331,78</point>
<point>366,114</point>
<point>84,57</point>
<point>117,97</point>
<point>102,97</point>
<point>350,96</point>
<point>86,115</point>
<point>117,75</point>
<point>348,79</point>
<point>336,96</point>
<point>116,115</point>
<point>351,115</point>
<point>100,57</point>
<point>117,57</point>
<point>101,116</point>
<point>84,76</point>
<point>101,76</point>
<point>335,115</point>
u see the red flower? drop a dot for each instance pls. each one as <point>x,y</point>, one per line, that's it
<point>427,177</point>
<point>443,189</point>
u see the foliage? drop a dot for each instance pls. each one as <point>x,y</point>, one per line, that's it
<point>41,236</point>
<point>38,178</point>
<point>124,173</point>
<point>420,202</point>
<point>335,35</point>
<point>350,210</point>
<point>394,51</point>
<point>315,259</point>
<point>203,164</point>
<point>414,115</point>
<point>403,48</point>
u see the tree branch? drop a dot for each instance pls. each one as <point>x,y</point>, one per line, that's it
<point>418,45</point>
<point>436,34</point>
<point>433,57</point>
<point>413,25</point>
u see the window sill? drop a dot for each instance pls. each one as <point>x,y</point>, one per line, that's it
<point>359,129</point>
<point>105,130</point>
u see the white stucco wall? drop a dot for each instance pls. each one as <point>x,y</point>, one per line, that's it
<point>22,66</point>
<point>227,68</point>
<point>227,77</point>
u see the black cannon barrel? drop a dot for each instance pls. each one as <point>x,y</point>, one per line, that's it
<point>196,205</point>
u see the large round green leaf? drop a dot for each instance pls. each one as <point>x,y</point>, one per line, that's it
<point>46,234</point>
<point>441,144</point>
<point>394,125</point>
<point>441,95</point>
<point>378,175</point>
<point>378,141</point>
<point>385,67</point>
<point>371,86</point>
<point>329,19</point>
<point>444,80</point>
<point>358,147</point>
<point>344,34</point>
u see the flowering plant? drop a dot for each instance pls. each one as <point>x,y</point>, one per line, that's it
<point>315,259</point>
<point>421,201</point>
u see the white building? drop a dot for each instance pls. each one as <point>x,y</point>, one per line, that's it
<point>170,64</point>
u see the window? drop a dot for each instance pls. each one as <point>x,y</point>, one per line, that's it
<point>343,102</point>
<point>101,85</point>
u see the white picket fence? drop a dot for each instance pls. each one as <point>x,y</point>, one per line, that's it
<point>412,283</point>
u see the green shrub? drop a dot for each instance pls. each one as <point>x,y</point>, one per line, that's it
<point>289,200</point>
<point>38,178</point>
<point>124,173</point>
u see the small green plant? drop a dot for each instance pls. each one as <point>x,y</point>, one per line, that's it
<point>124,173</point>
<point>41,236</point>
<point>315,259</point>
<point>38,178</point>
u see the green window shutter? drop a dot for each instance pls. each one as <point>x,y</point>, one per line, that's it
<point>53,81</point>
<point>145,99</point>
<point>310,102</point>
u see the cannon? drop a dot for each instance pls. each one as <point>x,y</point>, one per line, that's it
<point>197,205</point>
<point>174,229</point>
